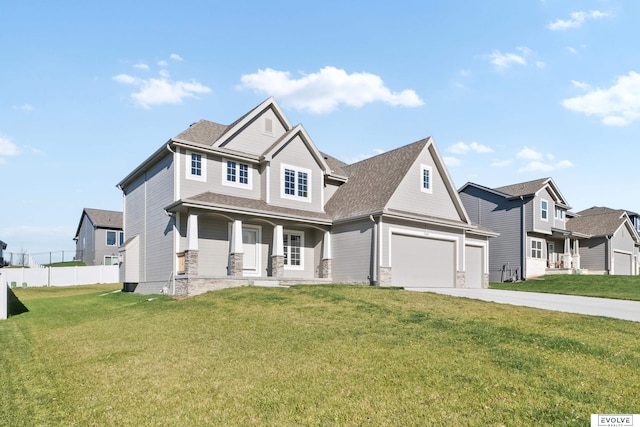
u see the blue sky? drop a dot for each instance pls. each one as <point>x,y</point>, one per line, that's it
<point>510,91</point>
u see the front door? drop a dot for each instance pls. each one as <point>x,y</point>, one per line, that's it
<point>250,246</point>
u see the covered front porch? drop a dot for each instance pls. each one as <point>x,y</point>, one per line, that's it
<point>216,249</point>
<point>563,252</point>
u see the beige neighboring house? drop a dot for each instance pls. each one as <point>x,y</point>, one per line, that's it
<point>612,246</point>
<point>256,202</point>
<point>98,236</point>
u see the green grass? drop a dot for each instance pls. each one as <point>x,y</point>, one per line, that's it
<point>308,355</point>
<point>66,264</point>
<point>617,287</point>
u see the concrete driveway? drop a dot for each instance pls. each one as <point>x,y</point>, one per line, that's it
<point>617,309</point>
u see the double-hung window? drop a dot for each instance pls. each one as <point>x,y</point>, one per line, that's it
<point>426,179</point>
<point>536,249</point>
<point>559,213</point>
<point>544,210</point>
<point>296,183</point>
<point>293,243</point>
<point>196,166</point>
<point>236,174</point>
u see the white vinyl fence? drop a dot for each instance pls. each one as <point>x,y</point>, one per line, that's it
<point>4,303</point>
<point>59,276</point>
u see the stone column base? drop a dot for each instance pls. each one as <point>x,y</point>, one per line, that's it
<point>325,269</point>
<point>461,279</point>
<point>235,265</point>
<point>384,276</point>
<point>277,265</point>
<point>191,262</point>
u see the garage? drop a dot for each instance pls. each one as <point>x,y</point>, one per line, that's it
<point>474,261</point>
<point>422,262</point>
<point>621,263</point>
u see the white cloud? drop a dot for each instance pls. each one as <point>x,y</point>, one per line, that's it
<point>451,161</point>
<point>580,85</point>
<point>157,91</point>
<point>537,166</point>
<point>163,63</point>
<point>141,66</point>
<point>176,57</point>
<point>576,19</point>
<point>7,147</point>
<point>27,108</point>
<point>502,61</point>
<point>164,73</point>
<point>327,89</point>
<point>572,50</point>
<point>462,148</point>
<point>541,65</point>
<point>618,105</point>
<point>529,154</point>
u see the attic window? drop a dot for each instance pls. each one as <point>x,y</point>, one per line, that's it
<point>268,126</point>
<point>426,179</point>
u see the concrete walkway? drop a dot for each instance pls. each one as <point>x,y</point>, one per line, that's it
<point>617,309</point>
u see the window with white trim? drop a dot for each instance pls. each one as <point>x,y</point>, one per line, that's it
<point>236,174</point>
<point>293,243</point>
<point>544,210</point>
<point>426,179</point>
<point>559,213</point>
<point>196,167</point>
<point>296,183</point>
<point>111,260</point>
<point>536,248</point>
<point>111,238</point>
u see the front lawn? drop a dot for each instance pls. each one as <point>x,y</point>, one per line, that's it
<point>617,287</point>
<point>308,355</point>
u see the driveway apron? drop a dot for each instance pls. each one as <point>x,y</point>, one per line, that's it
<point>617,309</point>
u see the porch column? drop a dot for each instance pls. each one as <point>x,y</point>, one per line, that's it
<point>191,251</point>
<point>236,250</point>
<point>277,257</point>
<point>576,254</point>
<point>567,262</point>
<point>325,266</point>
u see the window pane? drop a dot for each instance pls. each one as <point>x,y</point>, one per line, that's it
<point>285,241</point>
<point>425,179</point>
<point>244,173</point>
<point>111,238</point>
<point>231,171</point>
<point>295,249</point>
<point>302,184</point>
<point>121,238</point>
<point>196,164</point>
<point>289,182</point>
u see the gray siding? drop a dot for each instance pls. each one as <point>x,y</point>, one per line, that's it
<point>540,225</point>
<point>85,246</point>
<point>409,197</point>
<point>213,244</point>
<point>296,154</point>
<point>253,138</point>
<point>622,240</point>
<point>145,200</point>
<point>500,215</point>
<point>352,246</point>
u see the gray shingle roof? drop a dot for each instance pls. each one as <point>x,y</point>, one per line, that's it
<point>373,181</point>
<point>336,166</point>
<point>104,219</point>
<point>596,222</point>
<point>253,205</point>
<point>523,188</point>
<point>202,132</point>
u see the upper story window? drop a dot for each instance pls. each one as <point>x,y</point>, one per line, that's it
<point>544,210</point>
<point>559,214</point>
<point>296,183</point>
<point>236,174</point>
<point>426,183</point>
<point>196,166</point>
<point>115,238</point>
<point>293,253</point>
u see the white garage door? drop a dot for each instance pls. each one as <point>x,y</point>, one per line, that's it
<point>474,261</point>
<point>621,263</point>
<point>422,262</point>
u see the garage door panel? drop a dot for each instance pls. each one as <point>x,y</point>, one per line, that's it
<point>474,262</point>
<point>621,263</point>
<point>422,262</point>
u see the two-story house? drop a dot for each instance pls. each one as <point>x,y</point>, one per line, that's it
<point>256,202</point>
<point>98,236</point>
<point>531,218</point>
<point>612,246</point>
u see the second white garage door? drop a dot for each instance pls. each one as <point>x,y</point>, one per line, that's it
<point>474,261</point>
<point>621,263</point>
<point>422,262</point>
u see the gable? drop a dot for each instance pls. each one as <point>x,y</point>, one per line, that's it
<point>257,134</point>
<point>409,196</point>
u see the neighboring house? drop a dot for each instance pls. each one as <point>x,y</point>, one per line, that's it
<point>3,246</point>
<point>98,237</point>
<point>531,219</point>
<point>256,202</point>
<point>612,247</point>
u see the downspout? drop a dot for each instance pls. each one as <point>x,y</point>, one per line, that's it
<point>523,257</point>
<point>609,260</point>
<point>374,255</point>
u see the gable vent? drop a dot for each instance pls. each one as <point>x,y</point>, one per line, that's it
<point>268,125</point>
